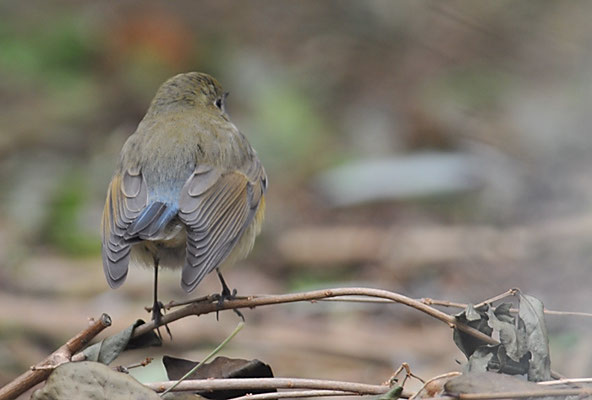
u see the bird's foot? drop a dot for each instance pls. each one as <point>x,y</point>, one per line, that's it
<point>226,294</point>
<point>157,314</point>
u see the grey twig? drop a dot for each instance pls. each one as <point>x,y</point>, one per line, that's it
<point>269,383</point>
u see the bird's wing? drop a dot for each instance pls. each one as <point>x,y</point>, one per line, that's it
<point>217,207</point>
<point>127,198</point>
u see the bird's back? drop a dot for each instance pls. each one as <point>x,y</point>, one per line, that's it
<point>189,186</point>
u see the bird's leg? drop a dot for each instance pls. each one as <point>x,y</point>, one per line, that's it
<point>157,307</point>
<point>226,294</point>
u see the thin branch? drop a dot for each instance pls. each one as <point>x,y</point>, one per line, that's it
<point>41,371</point>
<point>565,381</point>
<point>125,370</point>
<point>507,293</point>
<point>408,374</point>
<point>205,307</point>
<point>445,303</point>
<point>451,304</point>
<point>268,383</point>
<point>426,383</point>
<point>208,298</point>
<point>525,394</point>
<point>569,313</point>
<point>295,394</point>
<point>257,301</point>
<point>356,299</point>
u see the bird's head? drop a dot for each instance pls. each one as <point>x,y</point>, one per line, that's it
<point>189,90</point>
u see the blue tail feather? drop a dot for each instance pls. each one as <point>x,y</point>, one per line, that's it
<point>151,221</point>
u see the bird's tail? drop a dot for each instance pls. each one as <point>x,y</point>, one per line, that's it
<point>151,222</point>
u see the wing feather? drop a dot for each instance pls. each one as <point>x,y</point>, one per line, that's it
<point>216,208</point>
<point>126,199</point>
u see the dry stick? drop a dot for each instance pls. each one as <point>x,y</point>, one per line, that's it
<point>144,363</point>
<point>269,383</point>
<point>507,293</point>
<point>524,394</point>
<point>251,302</point>
<point>565,381</point>
<point>295,394</point>
<point>41,371</point>
<point>255,301</point>
<point>568,313</point>
<point>359,299</point>
<point>206,299</point>
<point>445,303</point>
<point>435,378</point>
<point>408,374</point>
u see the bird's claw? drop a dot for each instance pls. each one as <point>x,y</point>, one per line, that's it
<point>157,314</point>
<point>226,295</point>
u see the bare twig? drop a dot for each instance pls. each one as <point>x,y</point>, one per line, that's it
<point>200,308</point>
<point>295,394</point>
<point>144,363</point>
<point>565,381</point>
<point>408,374</point>
<point>525,394</point>
<point>451,304</point>
<point>425,384</point>
<point>357,299</point>
<point>568,313</point>
<point>41,371</point>
<point>205,307</point>
<point>445,303</point>
<point>206,299</point>
<point>507,293</point>
<point>269,383</point>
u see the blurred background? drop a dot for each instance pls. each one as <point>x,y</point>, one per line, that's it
<point>436,149</point>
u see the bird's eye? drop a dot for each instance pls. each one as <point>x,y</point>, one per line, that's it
<point>219,103</point>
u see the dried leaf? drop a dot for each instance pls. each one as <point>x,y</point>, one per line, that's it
<point>476,319</point>
<point>392,394</point>
<point>110,348</point>
<point>507,332</point>
<point>221,367</point>
<point>502,312</point>
<point>480,359</point>
<point>532,316</point>
<point>512,356</point>
<point>500,362</point>
<point>524,345</point>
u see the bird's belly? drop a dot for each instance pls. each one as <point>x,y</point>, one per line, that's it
<point>168,248</point>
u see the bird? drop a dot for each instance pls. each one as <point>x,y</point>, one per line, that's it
<point>188,191</point>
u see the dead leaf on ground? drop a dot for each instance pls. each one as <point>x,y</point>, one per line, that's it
<point>221,367</point>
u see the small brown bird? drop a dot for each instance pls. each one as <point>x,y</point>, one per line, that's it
<point>188,191</point>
